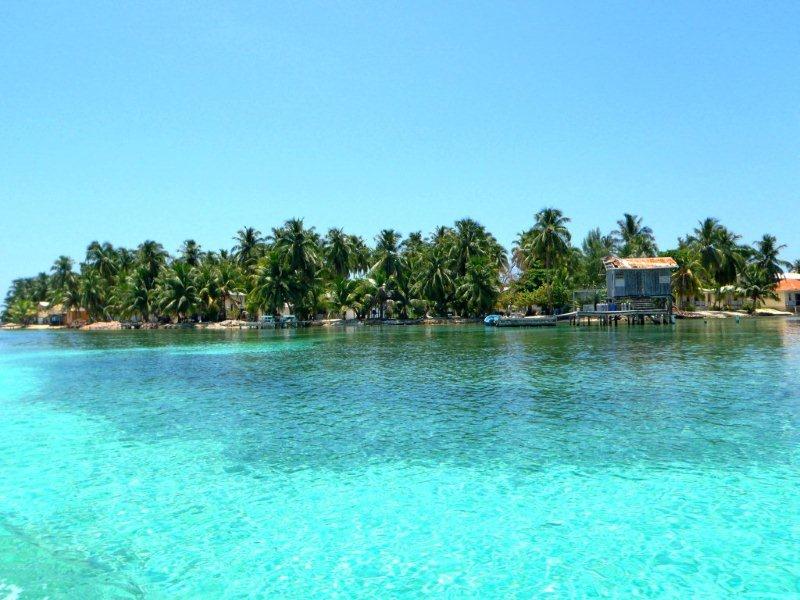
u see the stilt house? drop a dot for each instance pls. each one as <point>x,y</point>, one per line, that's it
<point>639,278</point>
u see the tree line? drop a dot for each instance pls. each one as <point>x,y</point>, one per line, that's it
<point>456,270</point>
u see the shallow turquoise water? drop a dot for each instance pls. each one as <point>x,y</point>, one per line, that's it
<point>402,462</point>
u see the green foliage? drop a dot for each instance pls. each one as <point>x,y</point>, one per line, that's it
<point>635,239</point>
<point>595,248</point>
<point>136,297</point>
<point>757,284</point>
<point>297,252</point>
<point>765,257</point>
<point>546,243</point>
<point>687,279</point>
<point>343,296</point>
<point>249,247</point>
<point>339,253</point>
<point>22,312</point>
<point>435,280</point>
<point>721,257</point>
<point>479,288</point>
<point>271,285</point>
<point>460,270</point>
<point>191,253</point>
<point>177,291</point>
<point>552,294</point>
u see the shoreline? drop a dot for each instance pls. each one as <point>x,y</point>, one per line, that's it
<point>234,324</point>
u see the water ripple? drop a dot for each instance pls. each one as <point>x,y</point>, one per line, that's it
<point>453,462</point>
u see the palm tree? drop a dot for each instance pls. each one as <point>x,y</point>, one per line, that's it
<point>795,266</point>
<point>597,244</point>
<point>496,253</point>
<point>720,255</point>
<point>361,254</point>
<point>549,239</point>
<point>297,246</point>
<point>124,259</point>
<point>388,259</point>
<point>315,301</point>
<point>338,251</point>
<point>637,240</point>
<point>103,258</point>
<point>248,248</point>
<point>402,291</point>
<point>733,258</point>
<point>40,288</point>
<point>470,238</point>
<point>343,296</point>
<point>271,287</point>
<point>23,311</point>
<point>375,291</point>
<point>435,282</point>
<point>440,235</point>
<point>152,256</point>
<point>70,296</point>
<point>706,238</point>
<point>413,244</point>
<point>412,251</point>
<point>190,253</point>
<point>596,247</point>
<point>766,257</point>
<point>757,285</point>
<point>209,292</point>
<point>177,290</point>
<point>479,288</point>
<point>62,272</point>
<point>231,284</point>
<point>686,282</point>
<point>139,298</point>
<point>93,293</point>
<point>19,289</point>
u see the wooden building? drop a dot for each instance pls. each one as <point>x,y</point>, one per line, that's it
<point>636,278</point>
<point>638,289</point>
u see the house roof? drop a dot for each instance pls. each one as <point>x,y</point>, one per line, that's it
<point>656,262</point>
<point>789,283</point>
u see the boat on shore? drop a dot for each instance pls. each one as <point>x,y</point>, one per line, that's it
<point>534,321</point>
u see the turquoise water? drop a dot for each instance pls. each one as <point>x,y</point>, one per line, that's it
<point>402,462</point>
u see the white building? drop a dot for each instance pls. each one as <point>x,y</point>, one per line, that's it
<point>788,290</point>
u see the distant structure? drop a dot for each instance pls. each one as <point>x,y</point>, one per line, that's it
<point>57,315</point>
<point>788,294</point>
<point>639,278</point>
<point>638,290</point>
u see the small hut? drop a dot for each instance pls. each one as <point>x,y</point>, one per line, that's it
<point>639,278</point>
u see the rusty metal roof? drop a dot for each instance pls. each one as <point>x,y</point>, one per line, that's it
<point>656,262</point>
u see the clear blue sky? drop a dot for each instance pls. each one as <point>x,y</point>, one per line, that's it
<point>127,121</point>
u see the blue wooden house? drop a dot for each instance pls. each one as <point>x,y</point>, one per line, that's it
<point>637,278</point>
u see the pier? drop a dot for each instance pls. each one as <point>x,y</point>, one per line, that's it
<point>659,316</point>
<point>608,318</point>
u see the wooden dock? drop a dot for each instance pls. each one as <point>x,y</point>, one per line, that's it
<point>614,317</point>
<point>609,318</point>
